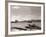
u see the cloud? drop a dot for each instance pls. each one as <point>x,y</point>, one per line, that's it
<point>25,13</point>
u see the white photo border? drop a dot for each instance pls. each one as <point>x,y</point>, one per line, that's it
<point>24,32</point>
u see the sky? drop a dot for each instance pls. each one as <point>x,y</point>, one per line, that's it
<point>21,13</point>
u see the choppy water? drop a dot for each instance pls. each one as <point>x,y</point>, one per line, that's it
<point>23,24</point>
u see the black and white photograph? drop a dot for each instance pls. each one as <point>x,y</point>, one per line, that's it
<point>25,18</point>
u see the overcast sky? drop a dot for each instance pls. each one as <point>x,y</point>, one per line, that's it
<point>25,13</point>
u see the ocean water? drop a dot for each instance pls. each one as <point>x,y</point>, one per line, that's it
<point>23,24</point>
